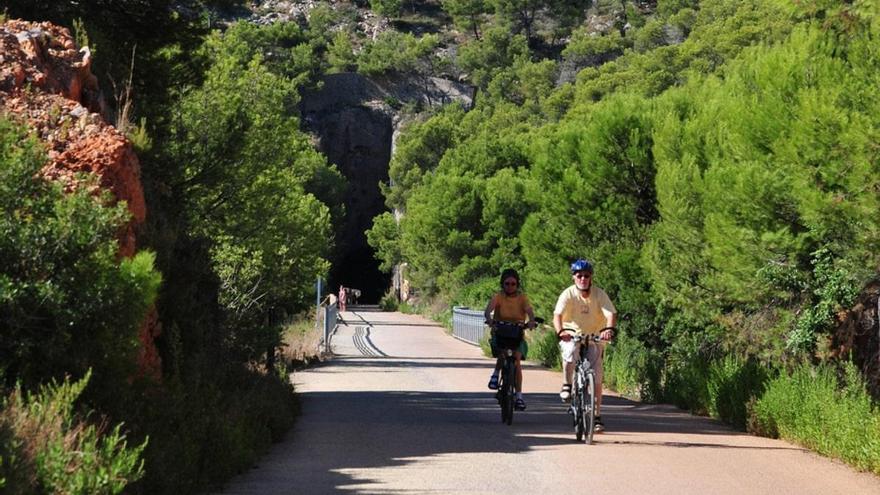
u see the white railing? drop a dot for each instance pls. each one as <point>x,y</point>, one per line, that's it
<point>468,325</point>
<point>327,321</point>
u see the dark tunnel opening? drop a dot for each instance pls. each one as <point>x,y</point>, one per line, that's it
<point>357,139</point>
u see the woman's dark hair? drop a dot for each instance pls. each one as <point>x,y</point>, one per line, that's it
<point>510,272</point>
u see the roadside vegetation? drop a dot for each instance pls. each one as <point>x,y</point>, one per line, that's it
<point>240,209</point>
<point>716,159</point>
<point>713,158</point>
<point>300,342</point>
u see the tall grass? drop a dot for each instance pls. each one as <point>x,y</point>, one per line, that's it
<point>733,384</point>
<point>632,370</point>
<point>721,388</point>
<point>825,410</point>
<point>301,340</point>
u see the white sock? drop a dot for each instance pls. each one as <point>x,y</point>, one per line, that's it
<point>519,395</point>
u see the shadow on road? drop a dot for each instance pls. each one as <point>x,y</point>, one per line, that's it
<point>328,452</point>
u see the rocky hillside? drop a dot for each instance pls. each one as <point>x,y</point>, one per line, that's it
<point>46,84</point>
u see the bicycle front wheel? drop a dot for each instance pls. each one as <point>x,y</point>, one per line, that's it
<point>578,412</point>
<point>509,392</point>
<point>503,398</point>
<point>589,406</point>
<point>578,405</point>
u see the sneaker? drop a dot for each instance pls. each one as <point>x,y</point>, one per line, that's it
<point>493,382</point>
<point>519,405</point>
<point>598,425</point>
<point>565,394</point>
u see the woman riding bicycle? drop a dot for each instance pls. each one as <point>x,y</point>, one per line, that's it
<point>510,305</point>
<point>586,309</point>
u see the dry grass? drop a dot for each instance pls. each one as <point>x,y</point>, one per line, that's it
<point>300,342</point>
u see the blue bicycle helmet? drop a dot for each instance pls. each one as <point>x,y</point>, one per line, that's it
<point>581,265</point>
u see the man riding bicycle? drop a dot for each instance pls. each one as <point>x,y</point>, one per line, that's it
<point>510,305</point>
<point>586,309</point>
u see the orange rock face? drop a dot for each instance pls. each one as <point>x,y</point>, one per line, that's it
<point>47,84</point>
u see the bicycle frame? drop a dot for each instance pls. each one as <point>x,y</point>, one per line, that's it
<point>583,399</point>
<point>508,344</point>
<point>507,388</point>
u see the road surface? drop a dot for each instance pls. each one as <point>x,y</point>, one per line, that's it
<point>403,408</point>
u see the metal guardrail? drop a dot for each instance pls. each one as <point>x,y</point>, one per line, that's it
<point>329,315</point>
<point>468,324</point>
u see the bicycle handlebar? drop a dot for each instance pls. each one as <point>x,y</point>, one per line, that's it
<point>588,338</point>
<point>579,337</point>
<point>493,322</point>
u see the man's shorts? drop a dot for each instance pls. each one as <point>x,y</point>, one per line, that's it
<point>595,352</point>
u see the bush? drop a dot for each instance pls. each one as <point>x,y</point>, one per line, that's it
<point>685,385</point>
<point>811,407</point>
<point>632,369</point>
<point>301,340</point>
<point>389,302</point>
<point>47,448</point>
<point>720,388</point>
<point>213,425</point>
<point>733,384</point>
<point>544,348</point>
<point>67,304</point>
<point>485,346</point>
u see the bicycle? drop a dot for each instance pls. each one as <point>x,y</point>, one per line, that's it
<point>507,339</point>
<point>583,393</point>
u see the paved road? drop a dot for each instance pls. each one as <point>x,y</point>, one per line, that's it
<point>403,408</point>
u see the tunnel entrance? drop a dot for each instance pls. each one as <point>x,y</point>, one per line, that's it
<point>357,138</point>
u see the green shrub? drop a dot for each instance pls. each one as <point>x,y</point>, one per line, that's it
<point>720,388</point>
<point>393,51</point>
<point>685,385</point>
<point>485,346</point>
<point>389,302</point>
<point>544,347</point>
<point>67,304</point>
<point>733,384</point>
<point>47,448</point>
<point>213,426</point>
<point>811,407</point>
<point>632,369</point>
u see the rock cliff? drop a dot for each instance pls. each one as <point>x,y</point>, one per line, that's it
<point>355,120</point>
<point>46,83</point>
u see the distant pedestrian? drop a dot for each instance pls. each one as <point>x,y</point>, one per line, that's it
<point>343,293</point>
